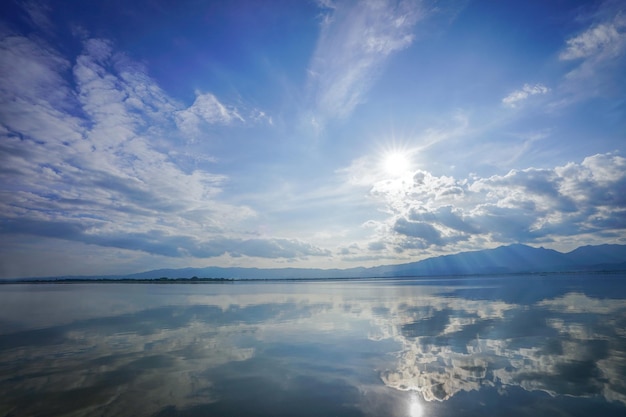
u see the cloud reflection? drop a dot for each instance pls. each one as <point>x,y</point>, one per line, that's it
<point>570,345</point>
<point>357,348</point>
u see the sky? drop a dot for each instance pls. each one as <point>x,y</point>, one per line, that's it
<point>147,134</point>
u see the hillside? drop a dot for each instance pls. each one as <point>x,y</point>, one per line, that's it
<point>515,258</point>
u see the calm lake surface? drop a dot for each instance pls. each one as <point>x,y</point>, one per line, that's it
<point>511,346</point>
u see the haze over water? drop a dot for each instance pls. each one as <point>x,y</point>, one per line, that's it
<point>514,346</point>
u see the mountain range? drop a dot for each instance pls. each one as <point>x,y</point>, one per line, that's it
<point>510,259</point>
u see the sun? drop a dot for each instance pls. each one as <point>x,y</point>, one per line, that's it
<point>396,163</point>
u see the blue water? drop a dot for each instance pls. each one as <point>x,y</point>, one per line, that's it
<point>511,346</point>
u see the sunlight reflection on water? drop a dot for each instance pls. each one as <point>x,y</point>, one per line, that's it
<point>415,406</point>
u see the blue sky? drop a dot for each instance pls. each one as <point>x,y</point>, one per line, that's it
<point>144,134</point>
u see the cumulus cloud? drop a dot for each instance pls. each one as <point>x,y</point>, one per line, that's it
<point>517,96</point>
<point>356,39</point>
<point>530,205</point>
<point>422,230</point>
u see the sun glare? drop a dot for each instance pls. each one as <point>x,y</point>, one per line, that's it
<point>415,407</point>
<point>396,163</point>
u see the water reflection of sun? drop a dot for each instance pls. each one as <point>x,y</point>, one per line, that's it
<point>415,407</point>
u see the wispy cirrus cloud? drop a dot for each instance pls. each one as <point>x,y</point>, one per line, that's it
<point>206,109</point>
<point>355,41</point>
<point>598,51</point>
<point>600,41</point>
<point>38,14</point>
<point>518,96</point>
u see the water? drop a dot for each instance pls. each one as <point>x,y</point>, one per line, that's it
<point>515,346</point>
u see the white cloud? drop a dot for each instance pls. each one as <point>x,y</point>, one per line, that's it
<point>356,39</point>
<point>208,109</point>
<point>427,212</point>
<point>88,160</point>
<point>513,99</point>
<point>597,51</point>
<point>603,39</point>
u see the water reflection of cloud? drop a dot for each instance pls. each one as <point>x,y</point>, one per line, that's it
<point>109,371</point>
<point>176,353</point>
<point>563,346</point>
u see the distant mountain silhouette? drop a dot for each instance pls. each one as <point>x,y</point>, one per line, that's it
<point>596,255</point>
<point>510,259</point>
<point>505,259</point>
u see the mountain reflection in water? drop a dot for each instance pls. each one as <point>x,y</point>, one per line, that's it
<point>511,346</point>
